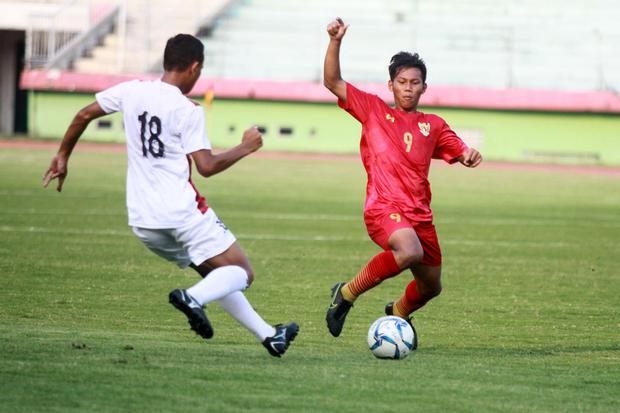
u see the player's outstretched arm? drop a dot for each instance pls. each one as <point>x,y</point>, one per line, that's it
<point>332,78</point>
<point>209,164</point>
<point>58,166</point>
<point>471,158</point>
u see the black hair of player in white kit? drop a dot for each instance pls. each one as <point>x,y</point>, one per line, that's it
<point>181,51</point>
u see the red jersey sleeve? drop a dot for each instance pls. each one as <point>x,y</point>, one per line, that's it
<point>449,145</point>
<point>358,103</point>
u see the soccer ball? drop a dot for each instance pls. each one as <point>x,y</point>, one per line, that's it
<point>390,337</point>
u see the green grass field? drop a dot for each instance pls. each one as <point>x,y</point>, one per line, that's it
<point>528,320</point>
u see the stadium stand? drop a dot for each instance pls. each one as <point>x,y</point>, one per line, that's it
<point>103,36</point>
<point>478,43</point>
<point>32,33</point>
<point>269,40</point>
<point>560,55</point>
<point>52,25</point>
<point>87,36</point>
<point>136,45</point>
<point>481,43</point>
<point>491,63</point>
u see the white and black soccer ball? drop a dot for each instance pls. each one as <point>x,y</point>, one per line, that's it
<point>391,337</point>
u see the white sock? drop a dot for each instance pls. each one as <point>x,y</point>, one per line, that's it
<point>219,283</point>
<point>240,308</point>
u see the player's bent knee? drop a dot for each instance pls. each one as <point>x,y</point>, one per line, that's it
<point>250,274</point>
<point>432,292</point>
<point>407,258</point>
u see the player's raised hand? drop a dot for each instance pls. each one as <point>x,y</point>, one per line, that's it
<point>57,170</point>
<point>471,158</point>
<point>252,139</point>
<point>336,29</point>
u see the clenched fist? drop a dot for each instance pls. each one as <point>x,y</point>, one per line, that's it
<point>336,29</point>
<point>471,158</point>
<point>252,139</point>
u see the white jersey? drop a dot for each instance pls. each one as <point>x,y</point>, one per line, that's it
<point>162,127</point>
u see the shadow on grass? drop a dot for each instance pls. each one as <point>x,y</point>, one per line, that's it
<point>522,351</point>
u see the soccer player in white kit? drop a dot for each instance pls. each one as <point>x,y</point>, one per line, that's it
<point>165,131</point>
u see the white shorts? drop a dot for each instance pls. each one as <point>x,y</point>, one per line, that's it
<point>195,243</point>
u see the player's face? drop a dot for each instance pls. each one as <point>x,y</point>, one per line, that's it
<point>407,87</point>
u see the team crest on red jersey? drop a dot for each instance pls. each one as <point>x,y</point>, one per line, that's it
<point>390,117</point>
<point>425,128</point>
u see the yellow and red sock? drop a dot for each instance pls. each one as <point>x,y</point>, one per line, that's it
<point>379,268</point>
<point>409,302</point>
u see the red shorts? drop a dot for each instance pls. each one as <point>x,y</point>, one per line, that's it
<point>382,223</point>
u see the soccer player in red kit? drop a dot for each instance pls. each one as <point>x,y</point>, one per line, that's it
<point>397,146</point>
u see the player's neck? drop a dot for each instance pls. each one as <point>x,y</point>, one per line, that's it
<point>173,78</point>
<point>412,110</point>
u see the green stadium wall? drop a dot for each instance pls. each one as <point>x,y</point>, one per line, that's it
<point>517,136</point>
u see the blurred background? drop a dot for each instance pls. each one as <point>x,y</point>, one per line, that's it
<point>523,81</point>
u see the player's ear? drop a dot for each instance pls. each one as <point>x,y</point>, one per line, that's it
<point>195,66</point>
<point>391,85</point>
<point>424,88</point>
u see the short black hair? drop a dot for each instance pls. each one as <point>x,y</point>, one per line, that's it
<point>404,60</point>
<point>181,51</point>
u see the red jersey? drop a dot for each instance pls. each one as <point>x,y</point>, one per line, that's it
<point>396,149</point>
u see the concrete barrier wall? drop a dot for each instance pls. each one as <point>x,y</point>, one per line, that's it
<point>548,137</point>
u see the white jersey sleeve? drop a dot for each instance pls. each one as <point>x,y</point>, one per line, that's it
<point>162,127</point>
<point>111,99</point>
<point>193,132</point>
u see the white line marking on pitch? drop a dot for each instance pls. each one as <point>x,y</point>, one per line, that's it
<point>605,220</point>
